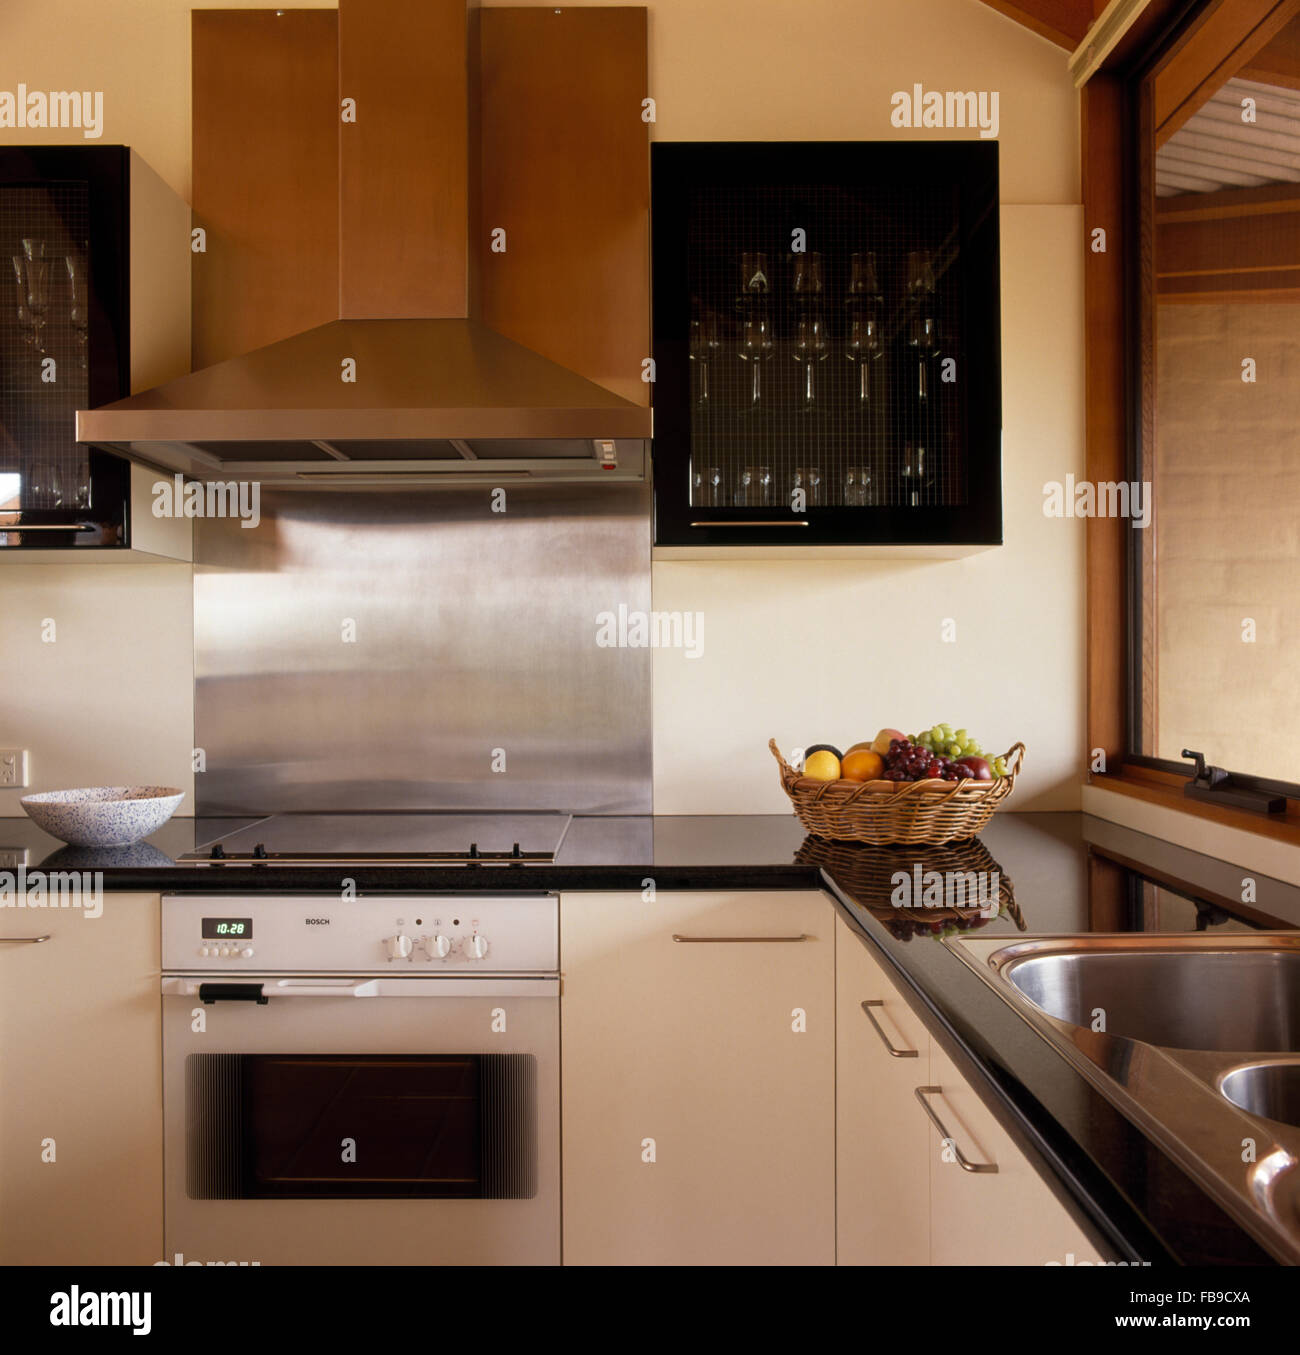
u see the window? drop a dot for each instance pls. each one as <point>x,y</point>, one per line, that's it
<point>1215,572</point>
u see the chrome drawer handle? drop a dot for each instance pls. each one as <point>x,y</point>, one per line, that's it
<point>23,940</point>
<point>716,939</point>
<point>751,522</point>
<point>48,527</point>
<point>962,1160</point>
<point>884,1039</point>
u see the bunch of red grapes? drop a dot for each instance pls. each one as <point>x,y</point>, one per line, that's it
<point>908,761</point>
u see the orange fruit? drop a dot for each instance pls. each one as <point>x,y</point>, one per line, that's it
<point>862,765</point>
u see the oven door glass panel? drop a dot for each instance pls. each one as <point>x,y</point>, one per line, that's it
<point>361,1126</point>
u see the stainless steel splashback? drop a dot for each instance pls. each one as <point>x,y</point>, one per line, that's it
<point>397,650</point>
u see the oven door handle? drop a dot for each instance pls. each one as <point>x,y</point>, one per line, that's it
<point>268,988</point>
<point>261,988</point>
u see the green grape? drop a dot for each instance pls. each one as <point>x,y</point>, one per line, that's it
<point>1000,766</point>
<point>975,748</point>
<point>937,734</point>
<point>947,731</point>
<point>962,737</point>
<point>953,749</point>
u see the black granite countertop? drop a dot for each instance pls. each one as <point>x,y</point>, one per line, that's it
<point>1057,873</point>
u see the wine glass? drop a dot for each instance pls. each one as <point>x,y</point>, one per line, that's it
<point>864,342</point>
<point>808,278</point>
<point>756,341</point>
<point>46,485</point>
<point>754,274</point>
<point>706,487</point>
<point>857,486</point>
<point>33,271</point>
<point>704,344</point>
<point>922,333</point>
<point>808,479</point>
<point>21,281</point>
<point>756,345</point>
<point>810,346</point>
<point>755,487</point>
<point>78,315</point>
<point>914,473</point>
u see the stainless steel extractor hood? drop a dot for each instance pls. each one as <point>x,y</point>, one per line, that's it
<point>359,399</point>
<point>444,398</point>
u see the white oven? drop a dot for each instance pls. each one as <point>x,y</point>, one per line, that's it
<point>363,1081</point>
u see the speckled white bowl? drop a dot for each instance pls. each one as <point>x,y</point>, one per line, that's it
<point>103,816</point>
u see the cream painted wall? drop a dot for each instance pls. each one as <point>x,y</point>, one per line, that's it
<point>136,51</point>
<point>830,651</point>
<point>110,701</point>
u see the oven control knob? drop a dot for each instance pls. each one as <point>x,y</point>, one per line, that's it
<point>247,952</point>
<point>398,947</point>
<point>476,947</point>
<point>436,947</point>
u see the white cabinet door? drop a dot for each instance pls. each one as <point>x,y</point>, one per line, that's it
<point>81,1085</point>
<point>882,1154</point>
<point>698,1095</point>
<point>1003,1218</point>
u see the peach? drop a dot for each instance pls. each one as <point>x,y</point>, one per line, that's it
<point>880,744</point>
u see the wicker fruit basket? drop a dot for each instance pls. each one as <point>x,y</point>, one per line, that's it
<point>881,812</point>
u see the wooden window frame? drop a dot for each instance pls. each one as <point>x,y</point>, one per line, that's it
<point>1118,342</point>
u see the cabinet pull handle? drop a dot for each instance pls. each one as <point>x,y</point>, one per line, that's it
<point>23,940</point>
<point>715,939</point>
<point>49,527</point>
<point>751,522</point>
<point>962,1160</point>
<point>884,1039</point>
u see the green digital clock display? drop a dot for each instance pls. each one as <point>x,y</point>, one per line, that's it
<point>217,928</point>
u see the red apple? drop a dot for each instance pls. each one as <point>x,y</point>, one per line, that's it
<point>977,768</point>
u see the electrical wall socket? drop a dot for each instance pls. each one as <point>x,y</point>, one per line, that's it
<point>13,767</point>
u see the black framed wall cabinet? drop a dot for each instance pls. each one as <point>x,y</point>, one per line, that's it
<point>94,303</point>
<point>827,344</point>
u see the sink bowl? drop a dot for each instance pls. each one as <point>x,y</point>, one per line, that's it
<point>1186,999</point>
<point>1270,1089</point>
<point>1194,1036</point>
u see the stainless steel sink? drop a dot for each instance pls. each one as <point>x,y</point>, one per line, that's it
<point>1195,1037</point>
<point>1270,1089</point>
<point>1181,999</point>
